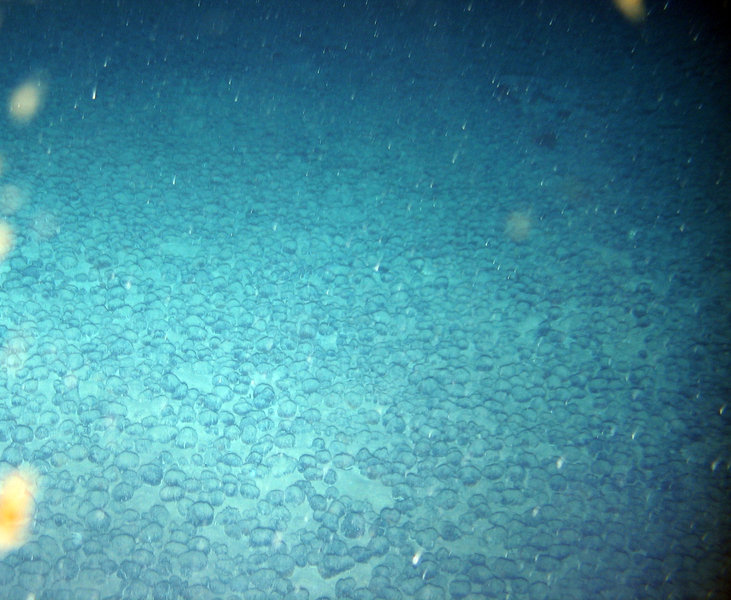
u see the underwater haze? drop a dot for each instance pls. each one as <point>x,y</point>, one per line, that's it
<point>365,300</point>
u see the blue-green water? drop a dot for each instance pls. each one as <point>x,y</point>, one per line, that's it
<point>363,300</point>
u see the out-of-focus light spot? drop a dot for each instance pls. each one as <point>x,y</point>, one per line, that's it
<point>45,225</point>
<point>17,502</point>
<point>12,199</point>
<point>7,239</point>
<point>632,10</point>
<point>518,225</point>
<point>14,354</point>
<point>26,100</point>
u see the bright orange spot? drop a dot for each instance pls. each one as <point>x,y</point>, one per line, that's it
<point>17,501</point>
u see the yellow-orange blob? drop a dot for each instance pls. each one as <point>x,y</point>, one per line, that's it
<point>632,10</point>
<point>17,501</point>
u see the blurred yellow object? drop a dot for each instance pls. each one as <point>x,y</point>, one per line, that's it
<point>6,239</point>
<point>632,10</point>
<point>26,100</point>
<point>17,501</point>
